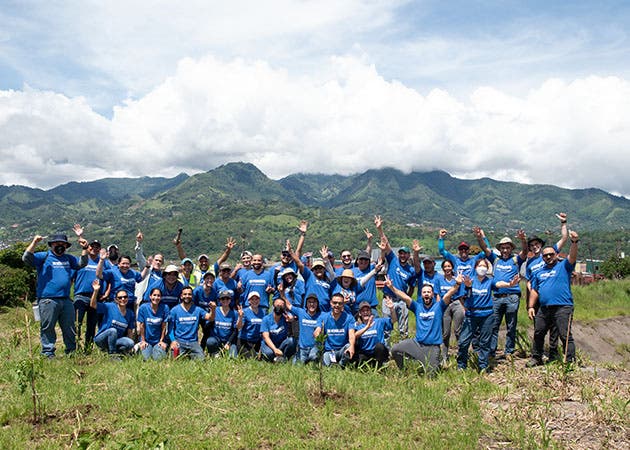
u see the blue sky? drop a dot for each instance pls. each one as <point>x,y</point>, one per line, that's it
<point>535,92</point>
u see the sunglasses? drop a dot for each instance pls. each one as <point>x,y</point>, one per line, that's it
<point>122,296</point>
<point>548,255</point>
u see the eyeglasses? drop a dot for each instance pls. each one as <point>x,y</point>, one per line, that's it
<point>122,296</point>
<point>336,303</point>
<point>548,255</point>
<point>346,256</point>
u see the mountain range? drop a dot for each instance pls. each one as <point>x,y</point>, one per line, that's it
<point>238,199</point>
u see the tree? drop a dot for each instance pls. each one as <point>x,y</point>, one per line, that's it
<point>616,267</point>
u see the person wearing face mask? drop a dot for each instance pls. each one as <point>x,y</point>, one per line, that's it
<point>479,317</point>
<point>277,345</point>
<point>54,276</point>
<point>425,347</point>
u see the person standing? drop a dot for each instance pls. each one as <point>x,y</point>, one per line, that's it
<point>54,277</point>
<point>551,288</point>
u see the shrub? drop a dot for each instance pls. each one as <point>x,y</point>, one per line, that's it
<point>15,284</point>
<point>616,267</point>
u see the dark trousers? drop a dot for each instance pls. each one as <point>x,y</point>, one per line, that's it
<point>546,318</point>
<point>377,357</point>
<point>82,310</point>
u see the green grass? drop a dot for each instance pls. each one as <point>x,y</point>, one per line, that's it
<point>90,401</point>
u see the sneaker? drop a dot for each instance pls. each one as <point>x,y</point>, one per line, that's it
<point>533,362</point>
<point>279,359</point>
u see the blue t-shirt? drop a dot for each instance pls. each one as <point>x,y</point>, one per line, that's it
<point>321,288</point>
<point>229,285</point>
<point>466,267</point>
<point>402,276</point>
<point>256,282</point>
<point>113,318</point>
<point>54,274</point>
<point>368,293</point>
<point>295,293</point>
<point>434,280</point>
<point>428,322</point>
<point>478,299</point>
<point>351,304</point>
<point>534,264</point>
<point>126,281</point>
<point>505,270</point>
<point>203,299</point>
<point>308,324</point>
<point>183,324</point>
<point>170,297</point>
<point>155,278</point>
<point>336,331</point>
<point>373,335</point>
<point>554,284</point>
<point>153,321</point>
<point>83,278</point>
<point>251,324</point>
<point>446,285</point>
<point>278,332</point>
<point>224,325</point>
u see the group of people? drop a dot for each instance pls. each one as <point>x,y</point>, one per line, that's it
<point>302,309</point>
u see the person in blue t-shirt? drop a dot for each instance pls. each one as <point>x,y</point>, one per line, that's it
<point>54,277</point>
<point>338,327</point>
<point>535,263</point>
<point>363,267</point>
<point>506,301</point>
<point>249,333</point>
<point>316,281</point>
<point>225,326</point>
<point>369,333</point>
<point>256,279</point>
<point>277,345</point>
<point>425,347</point>
<point>551,288</point>
<point>115,335</point>
<point>83,292</point>
<point>183,325</point>
<point>479,319</point>
<point>403,276</point>
<point>153,326</point>
<point>307,318</point>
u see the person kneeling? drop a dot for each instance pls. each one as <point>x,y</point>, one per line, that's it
<point>370,335</point>
<point>338,327</point>
<point>115,336</point>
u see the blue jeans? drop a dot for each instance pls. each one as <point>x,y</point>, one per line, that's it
<point>109,342</point>
<point>83,310</point>
<point>214,346</point>
<point>340,356</point>
<point>508,307</point>
<point>191,349</point>
<point>51,311</point>
<point>154,352</point>
<point>306,355</point>
<point>287,347</point>
<point>472,325</point>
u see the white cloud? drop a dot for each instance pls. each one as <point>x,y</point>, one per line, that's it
<point>344,118</point>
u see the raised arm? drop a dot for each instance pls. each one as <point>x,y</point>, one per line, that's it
<point>482,240</point>
<point>564,233</point>
<point>96,286</point>
<point>521,236</point>
<point>178,244</point>
<point>371,273</point>
<point>384,245</point>
<point>140,259</point>
<point>453,290</point>
<point>229,245</point>
<point>28,256</point>
<point>369,236</point>
<point>400,294</point>
<point>302,228</point>
<point>330,270</point>
<point>99,267</point>
<point>417,248</point>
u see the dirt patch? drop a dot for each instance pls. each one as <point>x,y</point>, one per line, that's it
<point>606,340</point>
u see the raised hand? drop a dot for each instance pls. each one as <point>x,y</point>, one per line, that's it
<point>83,243</point>
<point>139,236</point>
<point>96,284</point>
<point>562,217</point>
<point>467,281</point>
<point>415,246</point>
<point>230,243</point>
<point>573,235</point>
<point>378,222</point>
<point>442,233</point>
<point>303,226</point>
<point>103,253</point>
<point>324,251</point>
<point>78,229</point>
<point>520,234</point>
<point>368,234</point>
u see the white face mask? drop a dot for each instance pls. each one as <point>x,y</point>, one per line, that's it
<point>482,271</point>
